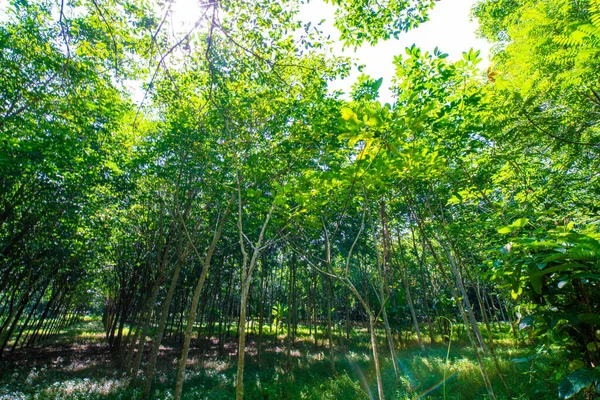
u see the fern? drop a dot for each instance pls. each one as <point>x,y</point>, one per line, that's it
<point>595,12</point>
<point>587,34</point>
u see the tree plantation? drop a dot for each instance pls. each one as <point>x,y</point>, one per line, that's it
<point>188,211</point>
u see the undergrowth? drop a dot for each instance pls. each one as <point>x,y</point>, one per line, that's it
<point>68,371</point>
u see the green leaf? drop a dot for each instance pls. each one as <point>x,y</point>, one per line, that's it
<point>515,294</point>
<point>504,230</point>
<point>347,114</point>
<point>521,222</point>
<point>575,382</point>
<point>593,346</point>
<point>377,84</point>
<point>561,267</point>
<point>536,279</point>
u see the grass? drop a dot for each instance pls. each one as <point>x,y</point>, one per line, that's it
<point>77,364</point>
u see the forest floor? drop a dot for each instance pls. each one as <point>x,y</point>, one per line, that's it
<point>77,364</point>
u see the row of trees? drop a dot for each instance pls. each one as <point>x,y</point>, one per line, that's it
<point>237,190</point>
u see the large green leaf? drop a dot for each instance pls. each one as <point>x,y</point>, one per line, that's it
<point>575,382</point>
<point>536,278</point>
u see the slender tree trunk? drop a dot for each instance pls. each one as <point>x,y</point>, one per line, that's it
<point>8,334</point>
<point>144,331</point>
<point>347,310</point>
<point>239,389</point>
<point>196,297</point>
<point>468,306</point>
<point>371,320</point>
<point>314,310</point>
<point>376,357</point>
<point>162,257</point>
<point>33,336</point>
<point>161,329</point>
<point>458,303</point>
<point>134,339</point>
<point>30,314</point>
<point>413,312</point>
<point>330,323</point>
<point>247,269</point>
<point>261,306</point>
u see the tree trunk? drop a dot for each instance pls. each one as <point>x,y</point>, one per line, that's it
<point>196,298</point>
<point>161,330</point>
<point>376,357</point>
<point>458,303</point>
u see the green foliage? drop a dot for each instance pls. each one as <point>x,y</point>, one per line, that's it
<point>577,381</point>
<point>279,313</point>
<point>557,269</point>
<point>461,193</point>
<point>369,21</point>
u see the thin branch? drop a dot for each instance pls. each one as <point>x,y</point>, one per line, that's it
<point>312,265</point>
<point>61,22</point>
<point>253,53</point>
<point>111,33</point>
<point>161,61</point>
<point>362,227</point>
<point>544,131</point>
<point>382,305</point>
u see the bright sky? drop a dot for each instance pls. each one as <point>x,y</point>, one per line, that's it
<point>449,28</point>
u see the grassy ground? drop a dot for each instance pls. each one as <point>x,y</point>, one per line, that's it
<point>78,365</point>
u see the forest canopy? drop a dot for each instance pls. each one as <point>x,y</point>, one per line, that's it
<point>197,215</point>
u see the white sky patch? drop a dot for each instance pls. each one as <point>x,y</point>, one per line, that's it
<point>449,28</point>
